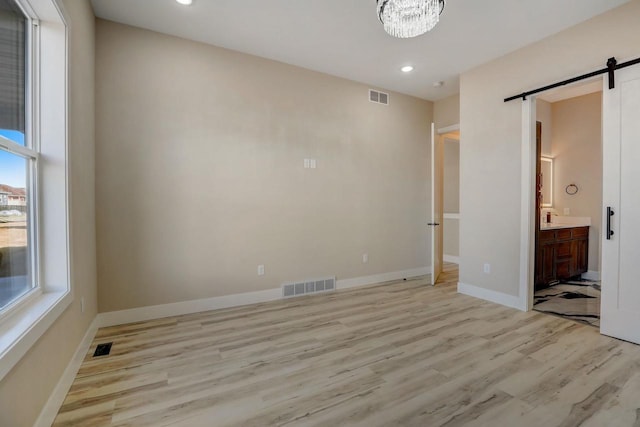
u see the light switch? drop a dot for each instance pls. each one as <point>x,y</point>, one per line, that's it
<point>307,162</point>
<point>313,163</point>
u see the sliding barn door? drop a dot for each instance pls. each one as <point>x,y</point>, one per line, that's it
<point>621,197</point>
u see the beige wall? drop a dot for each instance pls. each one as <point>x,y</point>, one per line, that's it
<point>451,175</point>
<point>490,155</point>
<point>25,390</point>
<point>544,116</point>
<point>451,196</point>
<point>200,173</point>
<point>446,112</point>
<point>451,237</point>
<point>577,152</point>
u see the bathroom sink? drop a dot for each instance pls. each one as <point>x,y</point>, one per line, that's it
<point>564,222</point>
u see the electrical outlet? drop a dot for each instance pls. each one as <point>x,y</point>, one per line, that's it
<point>261,270</point>
<point>82,304</point>
<point>487,268</point>
<point>365,258</point>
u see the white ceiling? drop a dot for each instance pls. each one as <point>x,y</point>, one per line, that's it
<point>344,37</point>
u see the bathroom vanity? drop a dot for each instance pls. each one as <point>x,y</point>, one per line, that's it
<point>563,253</point>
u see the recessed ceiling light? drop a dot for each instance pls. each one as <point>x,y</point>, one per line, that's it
<point>185,2</point>
<point>407,69</point>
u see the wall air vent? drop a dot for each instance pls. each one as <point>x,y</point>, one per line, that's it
<point>378,97</point>
<point>306,287</point>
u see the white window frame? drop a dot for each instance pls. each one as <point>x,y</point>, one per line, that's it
<point>22,324</point>
<point>30,152</point>
<point>32,197</point>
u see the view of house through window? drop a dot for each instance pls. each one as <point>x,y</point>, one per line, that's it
<point>16,158</point>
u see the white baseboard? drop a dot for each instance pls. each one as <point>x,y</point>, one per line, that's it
<point>141,314</point>
<point>113,318</point>
<point>493,296</point>
<point>51,408</point>
<point>591,275</point>
<point>451,258</point>
<point>383,277</point>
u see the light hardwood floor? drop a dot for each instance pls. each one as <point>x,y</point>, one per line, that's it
<point>400,353</point>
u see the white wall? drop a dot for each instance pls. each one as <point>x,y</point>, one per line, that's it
<point>25,390</point>
<point>490,156</point>
<point>200,173</point>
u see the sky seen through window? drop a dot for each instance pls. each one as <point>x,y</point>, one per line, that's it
<point>12,170</point>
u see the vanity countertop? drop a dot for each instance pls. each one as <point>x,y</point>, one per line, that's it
<point>558,222</point>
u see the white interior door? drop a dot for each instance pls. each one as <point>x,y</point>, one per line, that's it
<point>620,309</point>
<point>436,204</point>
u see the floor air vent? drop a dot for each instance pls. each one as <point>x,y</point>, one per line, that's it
<point>378,97</point>
<point>308,287</point>
<point>103,349</point>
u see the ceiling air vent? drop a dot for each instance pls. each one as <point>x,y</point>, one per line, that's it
<point>378,97</point>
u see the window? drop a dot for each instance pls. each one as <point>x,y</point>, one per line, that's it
<point>35,278</point>
<point>17,160</point>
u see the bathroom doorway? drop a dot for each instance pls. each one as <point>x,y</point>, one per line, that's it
<point>568,203</point>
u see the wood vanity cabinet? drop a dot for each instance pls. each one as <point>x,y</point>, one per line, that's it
<point>563,253</point>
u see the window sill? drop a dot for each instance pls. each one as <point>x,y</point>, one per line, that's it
<point>20,331</point>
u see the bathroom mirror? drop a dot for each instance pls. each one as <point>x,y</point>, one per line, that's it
<point>546,170</point>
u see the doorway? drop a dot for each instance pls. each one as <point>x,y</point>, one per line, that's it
<point>445,198</point>
<point>451,198</point>
<point>568,201</point>
<point>620,295</point>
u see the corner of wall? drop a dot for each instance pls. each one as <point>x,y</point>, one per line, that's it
<point>44,372</point>
<point>492,296</point>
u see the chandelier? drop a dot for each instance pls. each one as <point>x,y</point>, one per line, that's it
<point>409,18</point>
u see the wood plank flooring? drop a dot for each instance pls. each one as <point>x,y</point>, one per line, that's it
<point>399,353</point>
